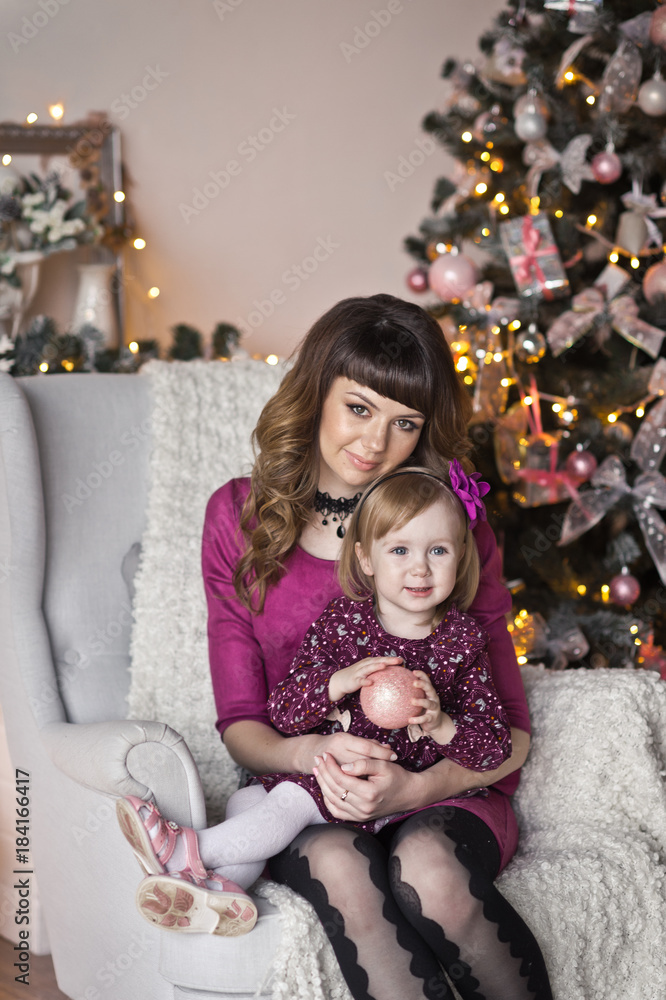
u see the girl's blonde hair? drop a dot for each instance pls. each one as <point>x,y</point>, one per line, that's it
<point>394,348</point>
<point>388,505</point>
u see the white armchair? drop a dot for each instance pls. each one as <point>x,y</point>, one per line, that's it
<point>70,512</point>
<point>75,501</point>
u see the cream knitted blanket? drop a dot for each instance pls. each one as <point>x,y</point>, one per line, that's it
<point>589,873</point>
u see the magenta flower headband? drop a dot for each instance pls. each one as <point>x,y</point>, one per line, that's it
<point>468,489</point>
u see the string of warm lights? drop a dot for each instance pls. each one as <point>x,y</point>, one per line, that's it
<point>615,251</point>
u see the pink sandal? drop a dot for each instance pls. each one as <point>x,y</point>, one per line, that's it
<point>184,902</point>
<point>154,839</point>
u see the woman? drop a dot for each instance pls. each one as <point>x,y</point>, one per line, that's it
<point>373,385</point>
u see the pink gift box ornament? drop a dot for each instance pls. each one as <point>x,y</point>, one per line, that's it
<point>533,256</point>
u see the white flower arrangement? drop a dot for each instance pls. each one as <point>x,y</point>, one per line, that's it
<point>38,214</point>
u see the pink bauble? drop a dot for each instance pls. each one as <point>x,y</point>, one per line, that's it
<point>452,275</point>
<point>658,27</point>
<point>654,282</point>
<point>417,279</point>
<point>581,464</point>
<point>624,589</point>
<point>606,167</point>
<point>388,700</point>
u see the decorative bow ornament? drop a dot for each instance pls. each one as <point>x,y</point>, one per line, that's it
<point>610,485</point>
<point>590,307</point>
<point>649,445</point>
<point>540,156</point>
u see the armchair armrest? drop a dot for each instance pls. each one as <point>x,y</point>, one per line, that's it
<point>147,759</point>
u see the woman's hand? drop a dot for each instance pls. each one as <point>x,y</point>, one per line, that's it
<point>352,678</point>
<point>383,788</point>
<point>377,788</point>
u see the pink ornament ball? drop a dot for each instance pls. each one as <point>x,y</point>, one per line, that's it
<point>658,27</point>
<point>417,280</point>
<point>581,465</point>
<point>624,589</point>
<point>606,167</point>
<point>452,275</point>
<point>654,282</point>
<point>388,700</point>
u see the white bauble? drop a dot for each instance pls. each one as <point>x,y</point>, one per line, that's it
<point>530,126</point>
<point>652,97</point>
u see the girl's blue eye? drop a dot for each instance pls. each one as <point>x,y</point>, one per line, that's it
<point>439,550</point>
<point>399,550</point>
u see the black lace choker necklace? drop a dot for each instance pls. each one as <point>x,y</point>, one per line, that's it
<point>340,508</point>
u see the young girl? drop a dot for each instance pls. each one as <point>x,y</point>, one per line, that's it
<point>409,567</point>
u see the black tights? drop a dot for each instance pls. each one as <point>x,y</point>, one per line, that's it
<point>420,896</point>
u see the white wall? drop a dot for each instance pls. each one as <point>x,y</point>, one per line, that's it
<point>225,67</point>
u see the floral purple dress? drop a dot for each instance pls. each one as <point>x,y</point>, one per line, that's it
<point>455,658</point>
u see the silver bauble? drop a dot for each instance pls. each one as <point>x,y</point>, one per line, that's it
<point>530,345</point>
<point>652,97</point>
<point>530,126</point>
<point>530,103</point>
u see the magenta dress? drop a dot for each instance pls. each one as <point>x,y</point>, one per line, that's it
<point>454,657</point>
<point>251,654</point>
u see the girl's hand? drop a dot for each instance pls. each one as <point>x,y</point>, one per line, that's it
<point>351,679</point>
<point>433,721</point>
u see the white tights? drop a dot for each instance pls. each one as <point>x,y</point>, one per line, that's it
<point>258,825</point>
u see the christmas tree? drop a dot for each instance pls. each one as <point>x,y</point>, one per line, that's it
<point>557,320</point>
